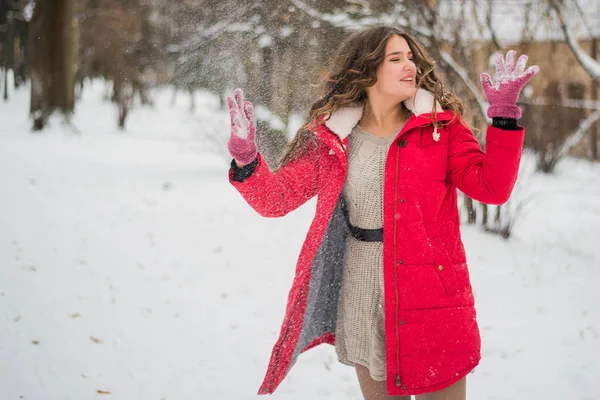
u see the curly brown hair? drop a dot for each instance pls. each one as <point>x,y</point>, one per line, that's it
<point>354,68</point>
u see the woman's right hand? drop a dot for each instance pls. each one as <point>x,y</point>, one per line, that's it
<point>242,142</point>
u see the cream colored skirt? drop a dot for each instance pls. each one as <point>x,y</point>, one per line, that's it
<point>360,332</point>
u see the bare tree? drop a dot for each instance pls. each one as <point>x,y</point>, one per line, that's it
<point>588,62</point>
<point>7,40</point>
<point>591,65</point>
<point>119,44</point>
<point>51,60</point>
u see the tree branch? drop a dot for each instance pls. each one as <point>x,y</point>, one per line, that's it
<point>579,133</point>
<point>591,66</point>
<point>483,104</point>
<point>341,20</point>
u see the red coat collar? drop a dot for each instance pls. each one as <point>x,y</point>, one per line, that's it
<point>326,134</point>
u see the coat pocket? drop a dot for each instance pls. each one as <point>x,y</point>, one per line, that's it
<point>443,267</point>
<point>442,263</point>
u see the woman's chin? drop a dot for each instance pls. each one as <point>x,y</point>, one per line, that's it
<point>406,93</point>
<point>410,92</point>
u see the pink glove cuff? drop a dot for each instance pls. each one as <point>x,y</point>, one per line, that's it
<point>241,150</point>
<point>504,110</point>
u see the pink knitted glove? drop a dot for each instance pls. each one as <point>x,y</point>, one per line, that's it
<point>242,143</point>
<point>510,79</point>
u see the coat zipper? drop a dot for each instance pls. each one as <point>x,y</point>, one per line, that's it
<point>287,330</point>
<point>395,266</point>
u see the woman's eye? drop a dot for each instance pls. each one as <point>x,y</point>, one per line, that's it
<point>396,59</point>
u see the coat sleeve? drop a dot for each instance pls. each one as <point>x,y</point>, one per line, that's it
<point>275,194</point>
<point>488,177</point>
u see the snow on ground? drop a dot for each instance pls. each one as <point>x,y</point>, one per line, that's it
<point>129,265</point>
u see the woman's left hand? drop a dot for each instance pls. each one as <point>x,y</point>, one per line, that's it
<point>511,77</point>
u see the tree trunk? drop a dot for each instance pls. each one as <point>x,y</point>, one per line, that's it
<point>51,60</point>
<point>122,116</point>
<point>484,216</point>
<point>62,56</point>
<point>192,100</point>
<point>471,214</point>
<point>9,50</point>
<point>594,131</point>
<point>267,75</point>
<point>21,51</point>
<point>123,98</point>
<point>498,215</point>
<point>38,65</point>
<point>5,79</point>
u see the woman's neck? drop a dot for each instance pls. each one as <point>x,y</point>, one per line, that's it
<point>383,119</point>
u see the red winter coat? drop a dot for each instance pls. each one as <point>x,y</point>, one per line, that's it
<point>432,338</point>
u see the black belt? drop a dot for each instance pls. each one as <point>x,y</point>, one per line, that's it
<point>364,235</point>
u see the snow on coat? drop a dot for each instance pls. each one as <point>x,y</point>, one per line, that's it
<point>431,333</point>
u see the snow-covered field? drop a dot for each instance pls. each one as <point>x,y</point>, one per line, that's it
<point>131,269</point>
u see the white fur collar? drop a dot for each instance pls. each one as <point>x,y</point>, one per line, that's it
<point>343,120</point>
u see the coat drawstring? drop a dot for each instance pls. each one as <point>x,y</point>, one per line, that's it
<point>436,134</point>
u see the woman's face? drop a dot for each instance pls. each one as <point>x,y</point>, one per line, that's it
<point>396,74</point>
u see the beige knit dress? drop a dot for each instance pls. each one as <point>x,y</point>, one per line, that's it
<point>360,333</point>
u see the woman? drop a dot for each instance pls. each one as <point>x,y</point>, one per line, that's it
<point>382,274</point>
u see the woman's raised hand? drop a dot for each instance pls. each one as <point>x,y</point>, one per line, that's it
<point>511,77</point>
<point>242,142</point>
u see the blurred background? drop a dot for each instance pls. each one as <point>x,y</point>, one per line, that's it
<point>129,267</point>
<point>277,51</point>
